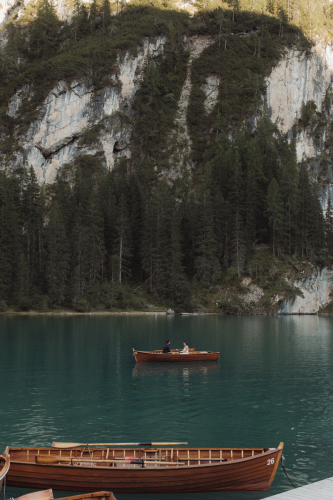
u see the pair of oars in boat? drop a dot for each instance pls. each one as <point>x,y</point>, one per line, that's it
<point>49,459</point>
<point>77,445</point>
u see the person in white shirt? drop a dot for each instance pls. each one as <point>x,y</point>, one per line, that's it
<point>185,349</point>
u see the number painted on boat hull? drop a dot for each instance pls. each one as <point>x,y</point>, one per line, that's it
<point>270,461</point>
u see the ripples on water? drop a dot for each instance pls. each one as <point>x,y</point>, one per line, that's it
<point>75,379</point>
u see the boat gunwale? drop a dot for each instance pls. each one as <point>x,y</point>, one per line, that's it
<point>5,468</point>
<point>270,451</point>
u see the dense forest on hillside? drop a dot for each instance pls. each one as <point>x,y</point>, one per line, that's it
<point>95,236</point>
<point>76,243</point>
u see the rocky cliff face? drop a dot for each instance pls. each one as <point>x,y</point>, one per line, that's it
<point>298,78</point>
<point>179,141</point>
<point>316,291</point>
<point>301,77</point>
<point>68,112</point>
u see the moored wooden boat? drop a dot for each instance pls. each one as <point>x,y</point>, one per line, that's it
<point>174,357</point>
<point>48,495</point>
<point>143,469</point>
<point>4,467</point>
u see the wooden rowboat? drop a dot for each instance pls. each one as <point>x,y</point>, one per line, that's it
<point>4,467</point>
<point>143,469</point>
<point>48,495</point>
<point>174,357</point>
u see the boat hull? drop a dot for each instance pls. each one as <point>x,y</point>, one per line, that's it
<point>153,357</point>
<point>254,473</point>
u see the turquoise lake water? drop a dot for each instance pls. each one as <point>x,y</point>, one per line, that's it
<point>75,379</point>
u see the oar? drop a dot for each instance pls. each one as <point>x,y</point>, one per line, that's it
<point>76,445</point>
<point>48,459</point>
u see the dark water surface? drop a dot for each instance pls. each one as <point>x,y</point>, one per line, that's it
<point>75,379</point>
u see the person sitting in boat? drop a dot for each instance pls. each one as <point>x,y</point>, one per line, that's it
<point>166,348</point>
<point>185,349</point>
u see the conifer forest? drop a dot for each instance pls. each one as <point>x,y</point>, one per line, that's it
<point>112,239</point>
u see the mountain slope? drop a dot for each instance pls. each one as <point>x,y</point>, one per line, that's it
<point>151,133</point>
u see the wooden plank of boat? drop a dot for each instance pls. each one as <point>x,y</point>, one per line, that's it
<point>132,469</point>
<point>174,357</point>
<point>48,495</point>
<point>4,467</point>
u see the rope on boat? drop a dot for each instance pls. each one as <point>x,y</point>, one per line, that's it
<point>284,470</point>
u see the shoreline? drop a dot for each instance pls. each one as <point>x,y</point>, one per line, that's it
<point>147,313</point>
<point>76,313</point>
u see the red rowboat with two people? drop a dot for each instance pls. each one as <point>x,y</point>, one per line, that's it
<point>174,356</point>
<point>143,468</point>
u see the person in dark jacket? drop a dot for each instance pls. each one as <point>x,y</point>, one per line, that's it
<point>166,348</point>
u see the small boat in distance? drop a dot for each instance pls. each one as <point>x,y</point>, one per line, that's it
<point>48,495</point>
<point>174,356</point>
<point>4,467</point>
<point>143,468</point>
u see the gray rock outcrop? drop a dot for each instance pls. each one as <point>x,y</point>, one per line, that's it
<point>69,111</point>
<point>316,290</point>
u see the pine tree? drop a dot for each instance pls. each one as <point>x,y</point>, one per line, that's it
<point>23,287</point>
<point>237,230</point>
<point>289,197</point>
<point>93,16</point>
<point>80,257</point>
<point>107,196</point>
<point>134,200</point>
<point>317,227</point>
<point>160,246</point>
<point>304,207</point>
<point>206,263</point>
<point>32,215</point>
<point>275,211</point>
<point>58,255</point>
<point>177,281</point>
<point>148,242</point>
<point>80,21</point>
<point>106,14</point>
<point>329,228</point>
<point>44,37</point>
<point>10,236</point>
<point>255,203</point>
<point>122,245</point>
<point>96,249</point>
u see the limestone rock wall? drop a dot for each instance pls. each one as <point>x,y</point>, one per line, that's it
<point>55,138</point>
<point>316,290</point>
<point>211,89</point>
<point>297,78</point>
<point>179,140</point>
